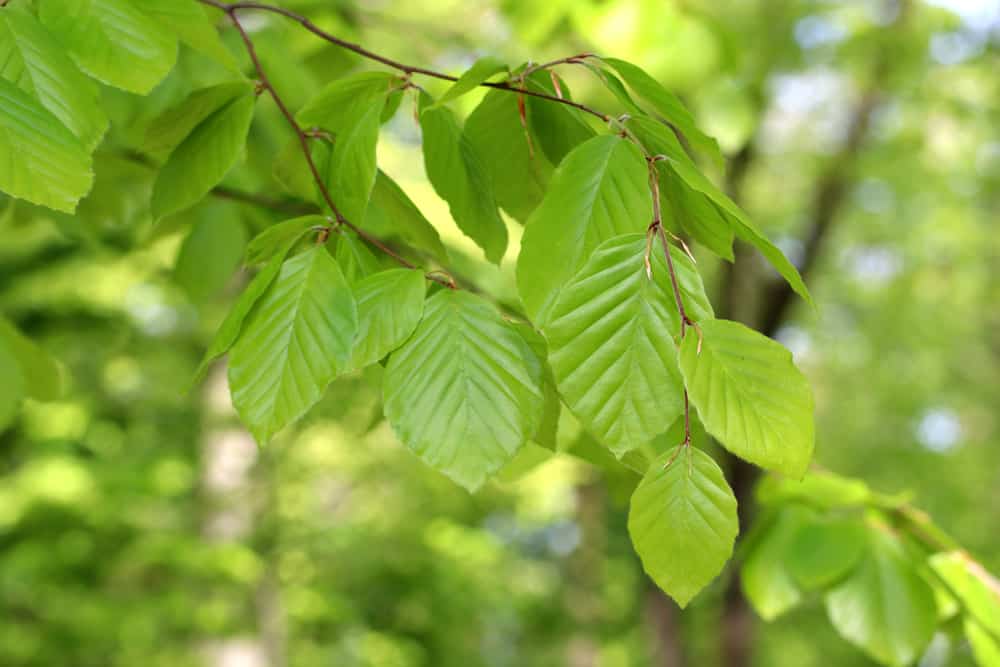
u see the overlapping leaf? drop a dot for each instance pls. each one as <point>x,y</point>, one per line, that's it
<point>463,393</point>
<point>480,71</point>
<point>750,395</point>
<point>765,577</point>
<point>390,304</point>
<point>392,213</point>
<point>189,20</point>
<point>682,521</point>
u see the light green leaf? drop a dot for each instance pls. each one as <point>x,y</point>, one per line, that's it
<point>884,607</point>
<point>392,213</point>
<point>824,490</point>
<point>390,304</point>
<point>682,521</point>
<point>985,647</point>
<point>611,346</point>
<point>354,257</point>
<point>548,427</point>
<point>172,126</point>
<point>192,24</point>
<point>42,161</point>
<point>232,326</point>
<point>112,40</point>
<point>295,342</point>
<point>279,236</point>
<point>599,191</point>
<point>750,395</point>
<point>764,577</point>
<point>457,174</point>
<point>33,60</point>
<point>331,107</point>
<point>463,393</point>
<point>12,387</point>
<point>210,254</point>
<point>511,155</point>
<point>824,551</point>
<point>977,589</point>
<point>203,158</point>
<point>480,71</point>
<point>667,104</point>
<point>42,375</point>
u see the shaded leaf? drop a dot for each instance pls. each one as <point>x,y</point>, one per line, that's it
<point>210,254</point>
<point>41,374</point>
<point>824,551</point>
<point>480,71</point>
<point>280,236</point>
<point>765,577</point>
<point>391,213</point>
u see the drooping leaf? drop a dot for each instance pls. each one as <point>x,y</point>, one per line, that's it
<point>12,387</point>
<point>462,393</point>
<point>824,551</point>
<point>883,606</point>
<point>750,395</point>
<point>112,40</point>
<point>390,304</point>
<point>548,427</point>
<point>203,158</point>
<point>598,192</point>
<point>480,71</point>
<point>42,161</point>
<point>277,237</point>
<point>297,339</point>
<point>41,373</point>
<point>765,577</point>
<point>559,128</point>
<point>611,342</point>
<point>331,107</point>
<point>210,254</point>
<point>457,174</point>
<point>511,153</point>
<point>695,214</point>
<point>232,326</point>
<point>682,521</point>
<point>172,126</point>
<point>192,24</point>
<point>976,589</point>
<point>392,213</point>
<point>355,258</point>
<point>32,59</point>
<point>668,106</point>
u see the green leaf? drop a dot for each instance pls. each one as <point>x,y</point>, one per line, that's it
<point>750,395</point>
<point>884,607</point>
<point>511,154</point>
<point>33,60</point>
<point>598,192</point>
<point>611,346</point>
<point>354,257</point>
<point>12,387</point>
<point>390,304</point>
<point>464,392</point>
<point>480,71</point>
<point>824,551</point>
<point>985,647</point>
<point>41,373</point>
<point>279,237</point>
<point>765,577</point>
<point>292,172</point>
<point>548,427</point>
<point>392,213</point>
<point>820,489</point>
<point>192,24</point>
<point>42,161</point>
<point>458,176</point>
<point>559,128</point>
<point>976,589</point>
<point>172,126</point>
<point>232,326</point>
<point>671,108</point>
<point>682,521</point>
<point>201,161</point>
<point>112,41</point>
<point>210,254</point>
<point>332,106</point>
<point>746,231</point>
<point>296,341</point>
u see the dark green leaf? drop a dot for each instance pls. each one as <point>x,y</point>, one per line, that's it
<point>210,254</point>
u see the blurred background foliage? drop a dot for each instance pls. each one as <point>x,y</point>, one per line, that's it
<point>139,524</point>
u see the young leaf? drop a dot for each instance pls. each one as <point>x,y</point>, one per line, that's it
<point>667,105</point>
<point>694,213</point>
<point>297,339</point>
<point>192,25</point>
<point>210,254</point>
<point>559,128</point>
<point>884,607</point>
<point>34,61</point>
<point>824,551</point>
<point>355,259</point>
<point>517,167</point>
<point>463,392</point>
<point>682,521</point>
<point>599,191</point>
<point>112,41</point>
<point>977,589</point>
<point>278,237</point>
<point>171,127</point>
<point>824,490</point>
<point>457,174</point>
<point>611,346</point>
<point>764,577</point>
<point>750,395</point>
<point>42,161</point>
<point>390,304</point>
<point>42,374</point>
<point>203,158</point>
<point>333,105</point>
<point>391,213</point>
<point>232,326</point>
<point>480,71</point>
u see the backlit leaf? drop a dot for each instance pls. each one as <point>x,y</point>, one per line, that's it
<point>390,304</point>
